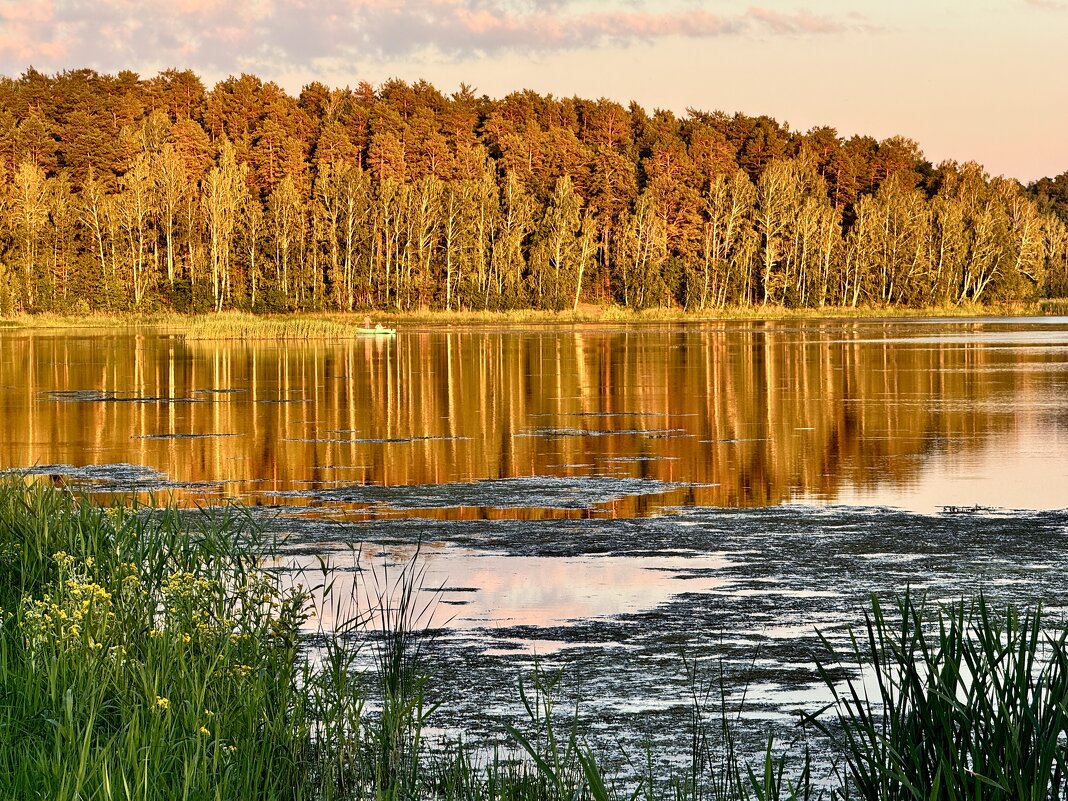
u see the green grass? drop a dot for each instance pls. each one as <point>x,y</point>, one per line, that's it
<point>144,653</point>
<point>144,658</point>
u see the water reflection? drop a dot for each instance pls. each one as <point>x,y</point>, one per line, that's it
<point>746,414</point>
<point>477,590</point>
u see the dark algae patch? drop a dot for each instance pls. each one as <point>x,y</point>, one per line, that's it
<point>102,396</point>
<point>183,436</point>
<point>783,578</point>
<point>112,478</point>
<point>533,492</point>
<point>657,433</point>
<point>375,440</point>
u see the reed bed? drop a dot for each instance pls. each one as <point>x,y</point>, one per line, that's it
<point>1054,306</point>
<point>145,653</point>
<point>242,326</point>
<point>91,320</point>
<point>968,703</point>
<point>609,314</point>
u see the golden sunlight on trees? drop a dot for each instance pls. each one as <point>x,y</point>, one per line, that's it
<point>118,193</point>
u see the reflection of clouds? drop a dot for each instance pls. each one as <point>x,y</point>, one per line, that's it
<point>491,590</point>
<point>548,591</point>
<point>118,34</point>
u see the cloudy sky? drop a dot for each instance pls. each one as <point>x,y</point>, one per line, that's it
<point>985,80</point>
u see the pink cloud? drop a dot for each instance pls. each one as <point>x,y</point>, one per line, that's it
<point>25,13</point>
<point>481,21</point>
<point>495,28</point>
<point>28,33</point>
<point>799,22</point>
<point>16,47</point>
<point>235,35</point>
<point>651,25</point>
<point>196,6</point>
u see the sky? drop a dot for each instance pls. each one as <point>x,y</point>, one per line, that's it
<point>969,80</point>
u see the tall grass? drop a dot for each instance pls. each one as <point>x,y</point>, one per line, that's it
<point>97,319</point>
<point>1054,306</point>
<point>144,658</point>
<point>145,653</point>
<point>240,325</point>
<point>620,315</point>
<point>968,704</point>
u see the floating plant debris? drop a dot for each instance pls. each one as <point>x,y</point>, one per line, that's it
<point>538,492</point>
<point>585,432</point>
<point>183,436</point>
<point>121,477</point>
<point>104,396</point>
<point>375,440</point>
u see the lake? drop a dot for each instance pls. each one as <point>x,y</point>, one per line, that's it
<point>611,501</point>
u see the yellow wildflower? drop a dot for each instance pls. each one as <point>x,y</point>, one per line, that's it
<point>162,702</point>
<point>63,559</point>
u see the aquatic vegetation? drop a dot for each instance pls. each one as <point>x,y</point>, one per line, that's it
<point>967,703</point>
<point>122,478</point>
<point>546,492</point>
<point>239,325</point>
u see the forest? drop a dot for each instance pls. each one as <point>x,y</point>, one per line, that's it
<point>123,193</point>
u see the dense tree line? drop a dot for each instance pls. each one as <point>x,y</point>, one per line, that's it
<point>118,192</point>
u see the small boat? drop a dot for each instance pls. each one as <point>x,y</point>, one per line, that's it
<point>377,331</point>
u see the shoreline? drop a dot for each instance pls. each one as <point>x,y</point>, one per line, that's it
<point>336,323</point>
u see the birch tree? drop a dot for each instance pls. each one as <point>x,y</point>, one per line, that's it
<point>30,213</point>
<point>220,195</point>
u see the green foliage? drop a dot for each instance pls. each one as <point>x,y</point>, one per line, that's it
<point>142,657</point>
<point>967,704</point>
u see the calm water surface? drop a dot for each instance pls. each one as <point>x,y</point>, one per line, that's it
<point>914,415</point>
<point>609,498</point>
